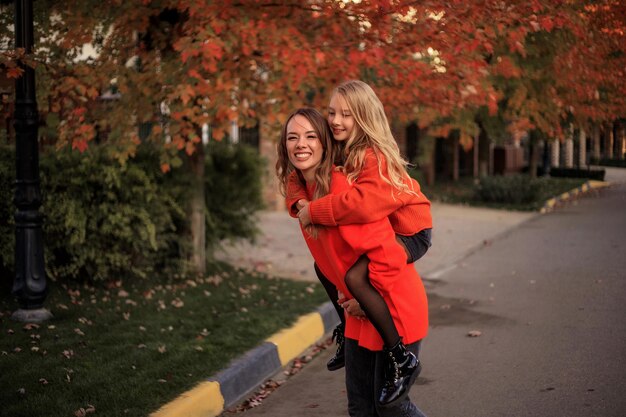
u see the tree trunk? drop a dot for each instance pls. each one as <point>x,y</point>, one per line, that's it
<point>197,225</point>
<point>596,142</point>
<point>455,156</point>
<point>484,154</point>
<point>533,154</point>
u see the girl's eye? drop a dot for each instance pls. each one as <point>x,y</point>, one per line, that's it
<point>312,137</point>
<point>292,138</point>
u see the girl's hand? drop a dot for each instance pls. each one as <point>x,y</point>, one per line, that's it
<point>304,215</point>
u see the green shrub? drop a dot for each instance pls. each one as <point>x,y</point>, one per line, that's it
<point>620,163</point>
<point>594,174</point>
<point>104,221</point>
<point>233,184</point>
<point>513,189</point>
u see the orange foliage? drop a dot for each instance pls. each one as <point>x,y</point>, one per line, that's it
<point>431,62</point>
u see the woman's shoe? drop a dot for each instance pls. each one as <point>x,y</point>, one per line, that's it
<point>400,373</point>
<point>339,360</point>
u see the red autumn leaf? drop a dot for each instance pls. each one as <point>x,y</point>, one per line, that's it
<point>14,72</point>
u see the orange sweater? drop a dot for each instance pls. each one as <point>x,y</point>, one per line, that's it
<point>369,199</point>
<point>337,248</point>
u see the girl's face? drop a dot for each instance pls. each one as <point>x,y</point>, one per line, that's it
<point>340,119</point>
<point>304,147</point>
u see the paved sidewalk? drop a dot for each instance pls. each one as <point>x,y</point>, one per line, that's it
<point>458,230</point>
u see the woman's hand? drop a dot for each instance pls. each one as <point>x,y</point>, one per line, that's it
<point>301,203</point>
<point>304,215</point>
<point>351,306</point>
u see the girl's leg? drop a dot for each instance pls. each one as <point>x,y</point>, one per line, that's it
<point>417,245</point>
<point>402,366</point>
<point>372,303</point>
<point>404,407</point>
<point>337,361</point>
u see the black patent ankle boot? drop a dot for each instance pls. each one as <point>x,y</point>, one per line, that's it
<point>338,361</point>
<point>400,373</point>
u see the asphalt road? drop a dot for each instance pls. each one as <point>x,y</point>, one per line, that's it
<point>548,300</point>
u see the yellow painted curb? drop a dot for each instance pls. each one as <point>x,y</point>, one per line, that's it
<point>599,184</point>
<point>205,400</point>
<point>293,341</point>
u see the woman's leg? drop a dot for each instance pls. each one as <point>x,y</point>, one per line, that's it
<point>365,373</point>
<point>337,361</point>
<point>331,290</point>
<point>372,303</point>
<point>360,368</point>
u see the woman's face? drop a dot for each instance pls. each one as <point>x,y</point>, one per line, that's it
<point>340,118</point>
<point>304,147</point>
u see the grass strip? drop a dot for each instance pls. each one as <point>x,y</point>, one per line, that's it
<point>130,348</point>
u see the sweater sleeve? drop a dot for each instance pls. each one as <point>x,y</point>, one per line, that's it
<point>295,191</point>
<point>369,199</point>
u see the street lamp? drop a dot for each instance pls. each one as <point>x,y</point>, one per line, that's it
<point>29,285</point>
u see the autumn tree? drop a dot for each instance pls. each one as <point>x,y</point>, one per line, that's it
<point>177,66</point>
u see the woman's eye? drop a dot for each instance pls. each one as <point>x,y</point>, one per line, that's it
<point>292,138</point>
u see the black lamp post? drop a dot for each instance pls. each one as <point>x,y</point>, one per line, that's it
<point>29,285</point>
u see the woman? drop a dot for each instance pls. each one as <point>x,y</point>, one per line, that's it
<point>306,146</point>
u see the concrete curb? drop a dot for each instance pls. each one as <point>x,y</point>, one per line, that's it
<point>591,184</point>
<point>211,397</point>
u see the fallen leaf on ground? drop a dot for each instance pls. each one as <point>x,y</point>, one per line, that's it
<point>474,333</point>
<point>79,332</point>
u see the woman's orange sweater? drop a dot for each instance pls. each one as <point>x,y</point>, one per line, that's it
<point>369,199</point>
<point>336,249</point>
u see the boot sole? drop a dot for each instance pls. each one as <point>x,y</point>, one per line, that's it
<point>336,367</point>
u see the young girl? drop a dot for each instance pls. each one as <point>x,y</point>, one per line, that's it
<point>373,378</point>
<point>380,188</point>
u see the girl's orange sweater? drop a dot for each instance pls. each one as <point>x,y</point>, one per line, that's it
<point>336,249</point>
<point>369,199</point>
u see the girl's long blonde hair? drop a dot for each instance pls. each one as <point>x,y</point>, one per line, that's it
<point>371,130</point>
<point>284,167</point>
